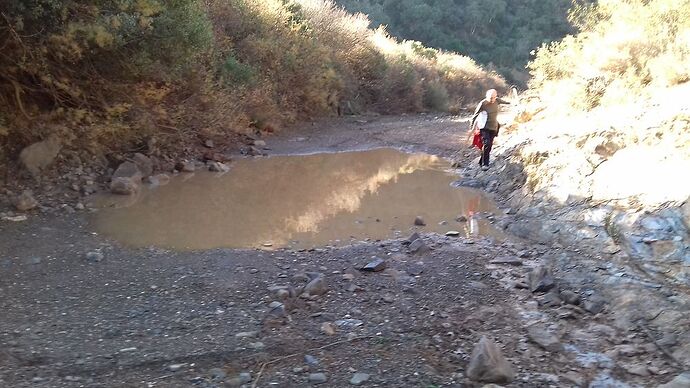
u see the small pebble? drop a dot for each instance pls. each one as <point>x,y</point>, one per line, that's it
<point>359,378</point>
<point>176,367</point>
<point>318,378</point>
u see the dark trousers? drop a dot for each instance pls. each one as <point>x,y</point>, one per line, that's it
<point>487,143</point>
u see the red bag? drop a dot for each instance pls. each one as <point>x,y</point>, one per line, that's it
<point>477,139</point>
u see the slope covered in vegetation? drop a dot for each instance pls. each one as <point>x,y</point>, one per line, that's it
<point>500,33</point>
<point>118,71</point>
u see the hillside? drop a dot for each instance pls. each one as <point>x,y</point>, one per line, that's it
<point>103,76</point>
<point>496,33</point>
<point>604,134</point>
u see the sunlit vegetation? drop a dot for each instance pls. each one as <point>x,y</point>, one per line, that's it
<point>625,48</point>
<point>111,72</point>
<point>496,33</point>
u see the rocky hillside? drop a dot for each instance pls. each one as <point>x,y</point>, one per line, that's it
<point>608,135</point>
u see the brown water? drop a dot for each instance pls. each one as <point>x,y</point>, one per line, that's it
<point>296,201</point>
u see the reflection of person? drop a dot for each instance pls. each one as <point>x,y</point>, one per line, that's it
<point>490,130</point>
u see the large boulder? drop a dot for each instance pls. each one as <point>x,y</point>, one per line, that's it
<point>124,186</point>
<point>25,201</point>
<point>541,336</point>
<point>128,170</point>
<point>144,163</point>
<point>488,365</point>
<point>39,156</point>
<point>126,179</point>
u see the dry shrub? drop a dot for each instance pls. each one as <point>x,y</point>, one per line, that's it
<point>119,71</point>
<point>627,45</point>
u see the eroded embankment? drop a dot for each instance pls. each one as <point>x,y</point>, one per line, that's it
<point>612,183</point>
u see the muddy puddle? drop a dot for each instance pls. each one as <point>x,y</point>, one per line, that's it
<point>297,201</point>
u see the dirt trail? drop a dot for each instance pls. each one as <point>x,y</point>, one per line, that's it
<point>79,310</point>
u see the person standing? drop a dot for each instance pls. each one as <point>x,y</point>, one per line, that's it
<point>490,130</point>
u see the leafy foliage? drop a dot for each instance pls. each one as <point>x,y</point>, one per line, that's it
<point>236,72</point>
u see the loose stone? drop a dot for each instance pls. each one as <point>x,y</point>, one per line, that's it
<point>570,297</point>
<point>176,367</point>
<point>544,339</point>
<point>245,377</point>
<point>595,304</point>
<point>348,323</point>
<point>419,246</point>
<point>414,236</point>
<point>185,166</point>
<point>540,279</point>
<point>551,299</point>
<point>247,334</point>
<point>128,170</point>
<point>38,156</point>
<point>144,163</point>
<point>311,360</point>
<point>254,151</point>
<point>94,256</point>
<point>507,261</point>
<point>637,370</point>
<point>359,378</point>
<point>318,378</point>
<point>25,201</point>
<point>328,328</point>
<point>317,286</point>
<point>282,294</point>
<point>488,365</point>
<point>375,265</point>
<point>218,167</point>
<point>124,186</point>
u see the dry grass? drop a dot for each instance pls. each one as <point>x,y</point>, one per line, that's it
<point>251,65</point>
<point>624,50</point>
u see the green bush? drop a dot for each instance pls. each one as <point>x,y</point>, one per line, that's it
<point>236,72</point>
<point>70,40</point>
<point>436,96</point>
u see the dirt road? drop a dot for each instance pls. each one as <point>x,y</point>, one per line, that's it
<point>78,310</point>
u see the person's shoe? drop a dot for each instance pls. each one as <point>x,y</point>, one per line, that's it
<point>484,168</point>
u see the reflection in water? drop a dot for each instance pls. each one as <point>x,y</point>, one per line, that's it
<point>299,201</point>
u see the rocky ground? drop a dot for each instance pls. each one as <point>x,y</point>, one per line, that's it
<point>537,309</point>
